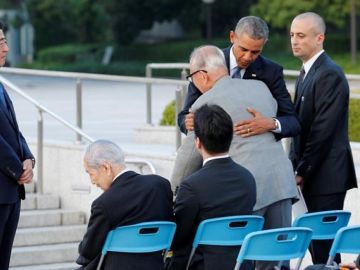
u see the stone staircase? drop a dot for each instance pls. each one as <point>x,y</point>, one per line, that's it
<point>47,237</point>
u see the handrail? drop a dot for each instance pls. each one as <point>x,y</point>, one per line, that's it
<point>42,109</point>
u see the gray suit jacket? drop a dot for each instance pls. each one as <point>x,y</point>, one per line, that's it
<point>262,155</point>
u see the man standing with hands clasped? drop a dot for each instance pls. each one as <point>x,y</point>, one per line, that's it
<point>16,167</point>
<point>321,154</point>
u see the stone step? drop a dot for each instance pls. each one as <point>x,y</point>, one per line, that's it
<point>49,235</point>
<point>55,266</point>
<point>43,201</point>
<point>44,254</point>
<point>52,217</point>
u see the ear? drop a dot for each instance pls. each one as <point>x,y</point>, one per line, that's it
<point>107,168</point>
<point>320,38</point>
<point>232,36</point>
<point>198,144</point>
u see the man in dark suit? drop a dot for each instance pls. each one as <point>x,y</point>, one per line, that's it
<point>128,198</point>
<point>220,188</point>
<point>16,167</point>
<point>244,61</point>
<point>321,154</point>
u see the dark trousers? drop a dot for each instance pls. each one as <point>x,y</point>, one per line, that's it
<point>9,217</point>
<point>320,249</point>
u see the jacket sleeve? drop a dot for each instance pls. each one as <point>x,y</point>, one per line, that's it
<point>192,95</point>
<point>91,245</point>
<point>10,163</point>
<point>290,125</point>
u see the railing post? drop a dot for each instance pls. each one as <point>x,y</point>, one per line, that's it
<point>40,149</point>
<point>178,109</point>
<point>184,87</point>
<point>148,95</point>
<point>78,108</point>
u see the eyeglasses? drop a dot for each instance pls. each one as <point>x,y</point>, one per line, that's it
<point>3,42</point>
<point>189,77</point>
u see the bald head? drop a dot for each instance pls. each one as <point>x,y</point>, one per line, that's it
<point>307,34</point>
<point>315,21</point>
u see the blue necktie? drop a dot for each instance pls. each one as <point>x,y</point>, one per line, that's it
<point>2,96</point>
<point>237,73</point>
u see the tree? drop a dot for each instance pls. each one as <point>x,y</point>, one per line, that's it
<point>67,21</point>
<point>279,13</point>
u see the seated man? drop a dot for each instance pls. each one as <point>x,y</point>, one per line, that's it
<point>262,155</point>
<point>128,198</point>
<point>220,188</point>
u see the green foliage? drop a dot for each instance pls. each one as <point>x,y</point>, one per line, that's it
<point>280,13</point>
<point>354,123</point>
<point>58,22</point>
<point>68,53</point>
<point>129,17</point>
<point>168,117</point>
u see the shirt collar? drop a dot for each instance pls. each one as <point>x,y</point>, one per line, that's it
<point>216,157</point>
<point>233,64</point>
<point>120,173</point>
<point>311,61</point>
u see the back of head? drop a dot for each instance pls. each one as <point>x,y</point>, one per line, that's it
<point>214,128</point>
<point>102,151</point>
<point>255,27</point>
<point>317,21</point>
<point>207,57</point>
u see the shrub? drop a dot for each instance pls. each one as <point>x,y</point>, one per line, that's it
<point>354,123</point>
<point>168,118</point>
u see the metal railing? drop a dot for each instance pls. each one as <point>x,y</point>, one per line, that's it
<point>77,129</point>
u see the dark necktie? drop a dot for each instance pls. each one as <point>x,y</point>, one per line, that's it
<point>237,73</point>
<point>299,82</point>
<point>302,74</point>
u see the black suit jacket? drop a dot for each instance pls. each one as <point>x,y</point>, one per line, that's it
<point>271,74</point>
<point>131,199</point>
<point>13,151</point>
<point>221,188</point>
<point>321,153</point>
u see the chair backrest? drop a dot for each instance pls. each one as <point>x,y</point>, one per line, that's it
<point>347,240</point>
<point>275,245</point>
<point>226,231</point>
<point>324,224</point>
<point>140,238</point>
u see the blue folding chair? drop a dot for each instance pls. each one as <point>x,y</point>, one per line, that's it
<point>139,238</point>
<point>347,240</point>
<point>225,231</point>
<point>275,245</point>
<point>324,224</point>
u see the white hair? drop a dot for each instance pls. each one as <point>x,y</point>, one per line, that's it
<point>103,151</point>
<point>207,57</point>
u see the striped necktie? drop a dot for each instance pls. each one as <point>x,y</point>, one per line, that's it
<point>237,73</point>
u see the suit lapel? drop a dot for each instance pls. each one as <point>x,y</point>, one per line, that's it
<point>303,87</point>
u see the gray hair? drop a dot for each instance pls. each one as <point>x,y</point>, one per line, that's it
<point>207,57</point>
<point>103,151</point>
<point>254,27</point>
<point>319,23</point>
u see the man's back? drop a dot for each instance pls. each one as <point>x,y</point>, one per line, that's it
<point>220,188</point>
<point>262,155</point>
<point>131,199</point>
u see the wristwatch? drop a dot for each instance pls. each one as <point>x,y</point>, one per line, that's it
<point>276,124</point>
<point>33,162</point>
